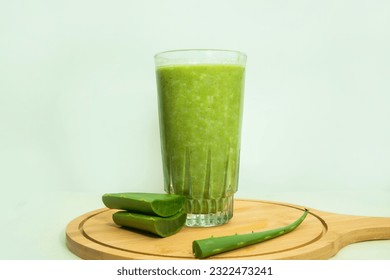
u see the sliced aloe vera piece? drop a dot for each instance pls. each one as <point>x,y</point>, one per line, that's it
<point>163,205</point>
<point>158,225</point>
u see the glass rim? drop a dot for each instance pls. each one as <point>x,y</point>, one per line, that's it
<point>201,50</point>
<point>200,56</point>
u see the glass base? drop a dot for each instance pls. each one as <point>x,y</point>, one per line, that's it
<point>214,212</point>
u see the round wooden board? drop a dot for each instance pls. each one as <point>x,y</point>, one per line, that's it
<point>95,236</point>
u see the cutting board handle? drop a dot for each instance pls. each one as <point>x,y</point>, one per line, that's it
<point>352,229</point>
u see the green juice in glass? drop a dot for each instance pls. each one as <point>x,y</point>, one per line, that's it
<point>200,112</point>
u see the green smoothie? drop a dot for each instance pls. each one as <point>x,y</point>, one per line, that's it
<point>200,110</point>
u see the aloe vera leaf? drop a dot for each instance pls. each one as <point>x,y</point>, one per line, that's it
<point>216,245</point>
<point>158,225</point>
<point>163,205</point>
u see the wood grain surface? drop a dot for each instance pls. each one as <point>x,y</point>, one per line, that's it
<point>95,236</point>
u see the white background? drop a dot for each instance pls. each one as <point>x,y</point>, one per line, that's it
<point>78,106</point>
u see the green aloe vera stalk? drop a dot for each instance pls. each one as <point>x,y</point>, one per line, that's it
<point>163,205</point>
<point>158,225</point>
<point>215,245</point>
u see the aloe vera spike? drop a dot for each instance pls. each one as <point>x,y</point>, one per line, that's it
<point>216,245</point>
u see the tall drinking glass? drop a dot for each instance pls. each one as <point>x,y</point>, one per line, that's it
<point>200,97</point>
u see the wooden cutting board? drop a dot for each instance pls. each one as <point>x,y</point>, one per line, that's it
<point>321,235</point>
